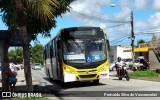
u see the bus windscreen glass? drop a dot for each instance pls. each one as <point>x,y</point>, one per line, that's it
<point>84,50</point>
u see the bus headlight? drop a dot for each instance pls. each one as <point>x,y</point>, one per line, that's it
<point>104,68</point>
<point>68,70</point>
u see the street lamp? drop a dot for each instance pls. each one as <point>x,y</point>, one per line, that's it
<point>132,31</point>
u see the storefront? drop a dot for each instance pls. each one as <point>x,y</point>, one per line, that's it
<point>140,52</point>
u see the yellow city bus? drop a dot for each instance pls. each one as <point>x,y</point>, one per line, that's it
<point>77,54</point>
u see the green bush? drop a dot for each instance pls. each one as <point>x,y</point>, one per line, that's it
<point>147,73</point>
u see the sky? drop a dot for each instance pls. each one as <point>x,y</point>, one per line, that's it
<point>115,21</point>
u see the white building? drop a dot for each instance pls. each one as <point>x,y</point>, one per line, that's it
<point>118,51</point>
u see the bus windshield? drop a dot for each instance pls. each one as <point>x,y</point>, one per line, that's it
<point>84,50</point>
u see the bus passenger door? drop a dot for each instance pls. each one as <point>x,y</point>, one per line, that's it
<point>58,59</point>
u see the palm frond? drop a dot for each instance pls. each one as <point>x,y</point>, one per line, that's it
<point>43,9</point>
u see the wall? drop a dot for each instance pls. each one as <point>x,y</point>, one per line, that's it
<point>118,51</point>
<point>122,54</point>
<point>113,53</point>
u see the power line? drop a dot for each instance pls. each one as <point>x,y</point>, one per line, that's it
<point>115,25</point>
<point>99,18</point>
<point>121,38</point>
<point>156,27</point>
<point>119,41</point>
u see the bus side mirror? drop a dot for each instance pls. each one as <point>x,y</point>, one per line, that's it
<point>108,45</point>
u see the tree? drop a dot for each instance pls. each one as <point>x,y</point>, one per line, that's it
<point>8,18</point>
<point>16,56</point>
<point>40,11</point>
<point>140,41</point>
<point>37,54</point>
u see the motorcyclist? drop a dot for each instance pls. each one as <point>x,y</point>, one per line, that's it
<point>119,66</point>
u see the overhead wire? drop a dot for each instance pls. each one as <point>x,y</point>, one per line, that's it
<point>119,41</point>
<point>115,40</point>
<point>98,18</point>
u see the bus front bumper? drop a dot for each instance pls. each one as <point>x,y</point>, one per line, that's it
<point>86,77</point>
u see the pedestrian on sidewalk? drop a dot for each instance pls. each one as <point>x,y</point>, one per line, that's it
<point>11,74</point>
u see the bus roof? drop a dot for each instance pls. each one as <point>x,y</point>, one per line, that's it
<point>70,28</point>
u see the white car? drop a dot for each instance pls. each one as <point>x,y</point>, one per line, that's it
<point>128,62</point>
<point>137,64</point>
<point>112,66</point>
<point>13,69</point>
<point>36,66</point>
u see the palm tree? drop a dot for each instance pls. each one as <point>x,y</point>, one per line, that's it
<point>40,10</point>
<point>46,10</point>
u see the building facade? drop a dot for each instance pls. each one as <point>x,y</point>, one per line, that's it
<point>154,51</point>
<point>154,43</point>
<point>118,51</point>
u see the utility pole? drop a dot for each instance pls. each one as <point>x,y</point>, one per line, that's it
<point>132,38</point>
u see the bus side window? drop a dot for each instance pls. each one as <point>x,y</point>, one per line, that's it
<point>58,44</point>
<point>48,51</point>
<point>108,45</point>
<point>51,49</point>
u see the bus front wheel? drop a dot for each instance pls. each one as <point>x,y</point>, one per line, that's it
<point>95,82</point>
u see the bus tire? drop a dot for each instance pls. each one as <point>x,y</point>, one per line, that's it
<point>95,82</point>
<point>120,78</point>
<point>63,84</point>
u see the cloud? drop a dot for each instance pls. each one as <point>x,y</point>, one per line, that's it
<point>154,20</point>
<point>102,25</point>
<point>140,4</point>
<point>156,5</point>
<point>124,3</point>
<point>123,15</point>
<point>89,6</point>
<point>90,12</point>
<point>139,25</point>
<point>150,26</point>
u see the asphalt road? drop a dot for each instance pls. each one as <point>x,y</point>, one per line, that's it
<point>111,88</point>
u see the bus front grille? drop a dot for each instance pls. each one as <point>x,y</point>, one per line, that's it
<point>88,76</point>
<point>87,71</point>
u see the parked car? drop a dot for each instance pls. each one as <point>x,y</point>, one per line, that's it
<point>112,66</point>
<point>13,68</point>
<point>140,64</point>
<point>36,66</point>
<point>128,62</point>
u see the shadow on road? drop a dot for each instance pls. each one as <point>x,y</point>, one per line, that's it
<point>72,84</point>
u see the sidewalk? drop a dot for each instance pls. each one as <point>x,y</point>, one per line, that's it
<point>21,85</point>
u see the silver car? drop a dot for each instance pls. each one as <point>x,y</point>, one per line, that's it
<point>112,66</point>
<point>36,66</point>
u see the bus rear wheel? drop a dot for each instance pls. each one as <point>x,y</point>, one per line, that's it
<point>95,82</point>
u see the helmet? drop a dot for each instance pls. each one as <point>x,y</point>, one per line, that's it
<point>119,59</point>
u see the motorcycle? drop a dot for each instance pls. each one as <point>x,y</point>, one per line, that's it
<point>122,72</point>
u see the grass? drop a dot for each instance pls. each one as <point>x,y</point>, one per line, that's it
<point>150,75</point>
<point>30,98</point>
